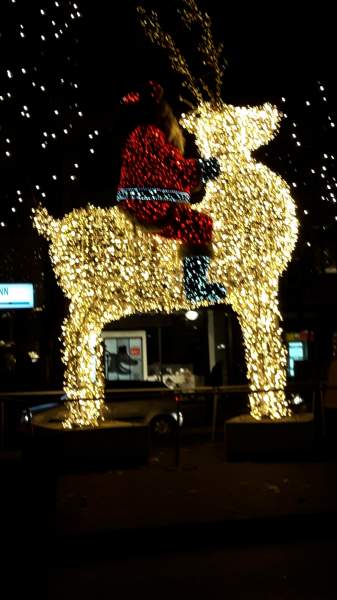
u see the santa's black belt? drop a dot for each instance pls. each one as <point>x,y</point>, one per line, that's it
<point>158,194</point>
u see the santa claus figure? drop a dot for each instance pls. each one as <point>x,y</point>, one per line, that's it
<point>156,181</point>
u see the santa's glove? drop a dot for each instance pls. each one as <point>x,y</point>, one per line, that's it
<point>209,168</point>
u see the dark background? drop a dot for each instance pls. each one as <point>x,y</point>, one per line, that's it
<point>272,51</point>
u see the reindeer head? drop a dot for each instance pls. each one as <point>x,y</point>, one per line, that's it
<point>215,125</point>
<point>220,127</point>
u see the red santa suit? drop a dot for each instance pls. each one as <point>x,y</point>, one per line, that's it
<point>155,184</point>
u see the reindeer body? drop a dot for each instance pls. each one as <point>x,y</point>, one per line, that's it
<point>109,268</point>
<point>255,231</point>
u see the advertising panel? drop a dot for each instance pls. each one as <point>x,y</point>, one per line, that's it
<point>16,295</point>
<point>125,355</point>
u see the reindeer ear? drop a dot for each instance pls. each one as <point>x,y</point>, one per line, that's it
<point>259,125</point>
<point>43,222</point>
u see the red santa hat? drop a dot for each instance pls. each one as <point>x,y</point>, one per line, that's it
<point>152,89</point>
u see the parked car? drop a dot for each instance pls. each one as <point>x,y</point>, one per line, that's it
<point>146,402</point>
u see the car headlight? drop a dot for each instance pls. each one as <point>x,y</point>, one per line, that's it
<point>181,418</point>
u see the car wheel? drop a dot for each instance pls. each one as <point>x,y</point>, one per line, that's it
<point>162,427</point>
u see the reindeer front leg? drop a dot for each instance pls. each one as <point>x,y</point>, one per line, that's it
<point>258,313</point>
<point>84,372</point>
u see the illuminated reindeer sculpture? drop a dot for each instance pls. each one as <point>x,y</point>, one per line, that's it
<point>109,267</point>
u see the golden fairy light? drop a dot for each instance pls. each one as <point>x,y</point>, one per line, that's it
<point>255,225</point>
<point>255,231</point>
<point>109,267</point>
<point>198,25</point>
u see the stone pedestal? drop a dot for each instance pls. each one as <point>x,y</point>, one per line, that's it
<point>287,438</point>
<point>113,443</point>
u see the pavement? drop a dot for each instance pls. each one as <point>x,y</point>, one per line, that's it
<point>204,491</point>
<point>185,528</point>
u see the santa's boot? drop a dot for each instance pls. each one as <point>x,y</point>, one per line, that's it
<point>196,286</point>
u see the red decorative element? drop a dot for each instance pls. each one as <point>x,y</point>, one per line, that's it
<point>150,161</point>
<point>131,98</point>
<point>152,89</point>
<point>134,351</point>
<point>155,90</point>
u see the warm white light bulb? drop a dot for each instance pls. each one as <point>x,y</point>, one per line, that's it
<point>191,315</point>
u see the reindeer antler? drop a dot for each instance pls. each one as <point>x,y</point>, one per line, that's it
<point>209,52</point>
<point>150,23</point>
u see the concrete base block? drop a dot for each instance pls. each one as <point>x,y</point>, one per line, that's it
<point>291,437</point>
<point>113,442</point>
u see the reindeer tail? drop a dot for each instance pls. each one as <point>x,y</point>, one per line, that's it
<point>43,222</point>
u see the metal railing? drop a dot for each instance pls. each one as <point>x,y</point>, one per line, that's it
<point>214,399</point>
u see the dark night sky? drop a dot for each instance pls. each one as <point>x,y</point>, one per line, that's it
<point>270,54</point>
<point>272,49</point>
<point>269,51</point>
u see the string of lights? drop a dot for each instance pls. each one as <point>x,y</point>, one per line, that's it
<point>317,119</point>
<point>41,111</point>
<point>305,154</point>
<point>253,209</point>
<point>255,226</point>
<point>100,254</point>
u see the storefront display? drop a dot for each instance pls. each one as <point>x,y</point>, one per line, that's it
<point>125,356</point>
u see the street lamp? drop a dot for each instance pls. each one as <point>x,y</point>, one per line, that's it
<point>191,315</point>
